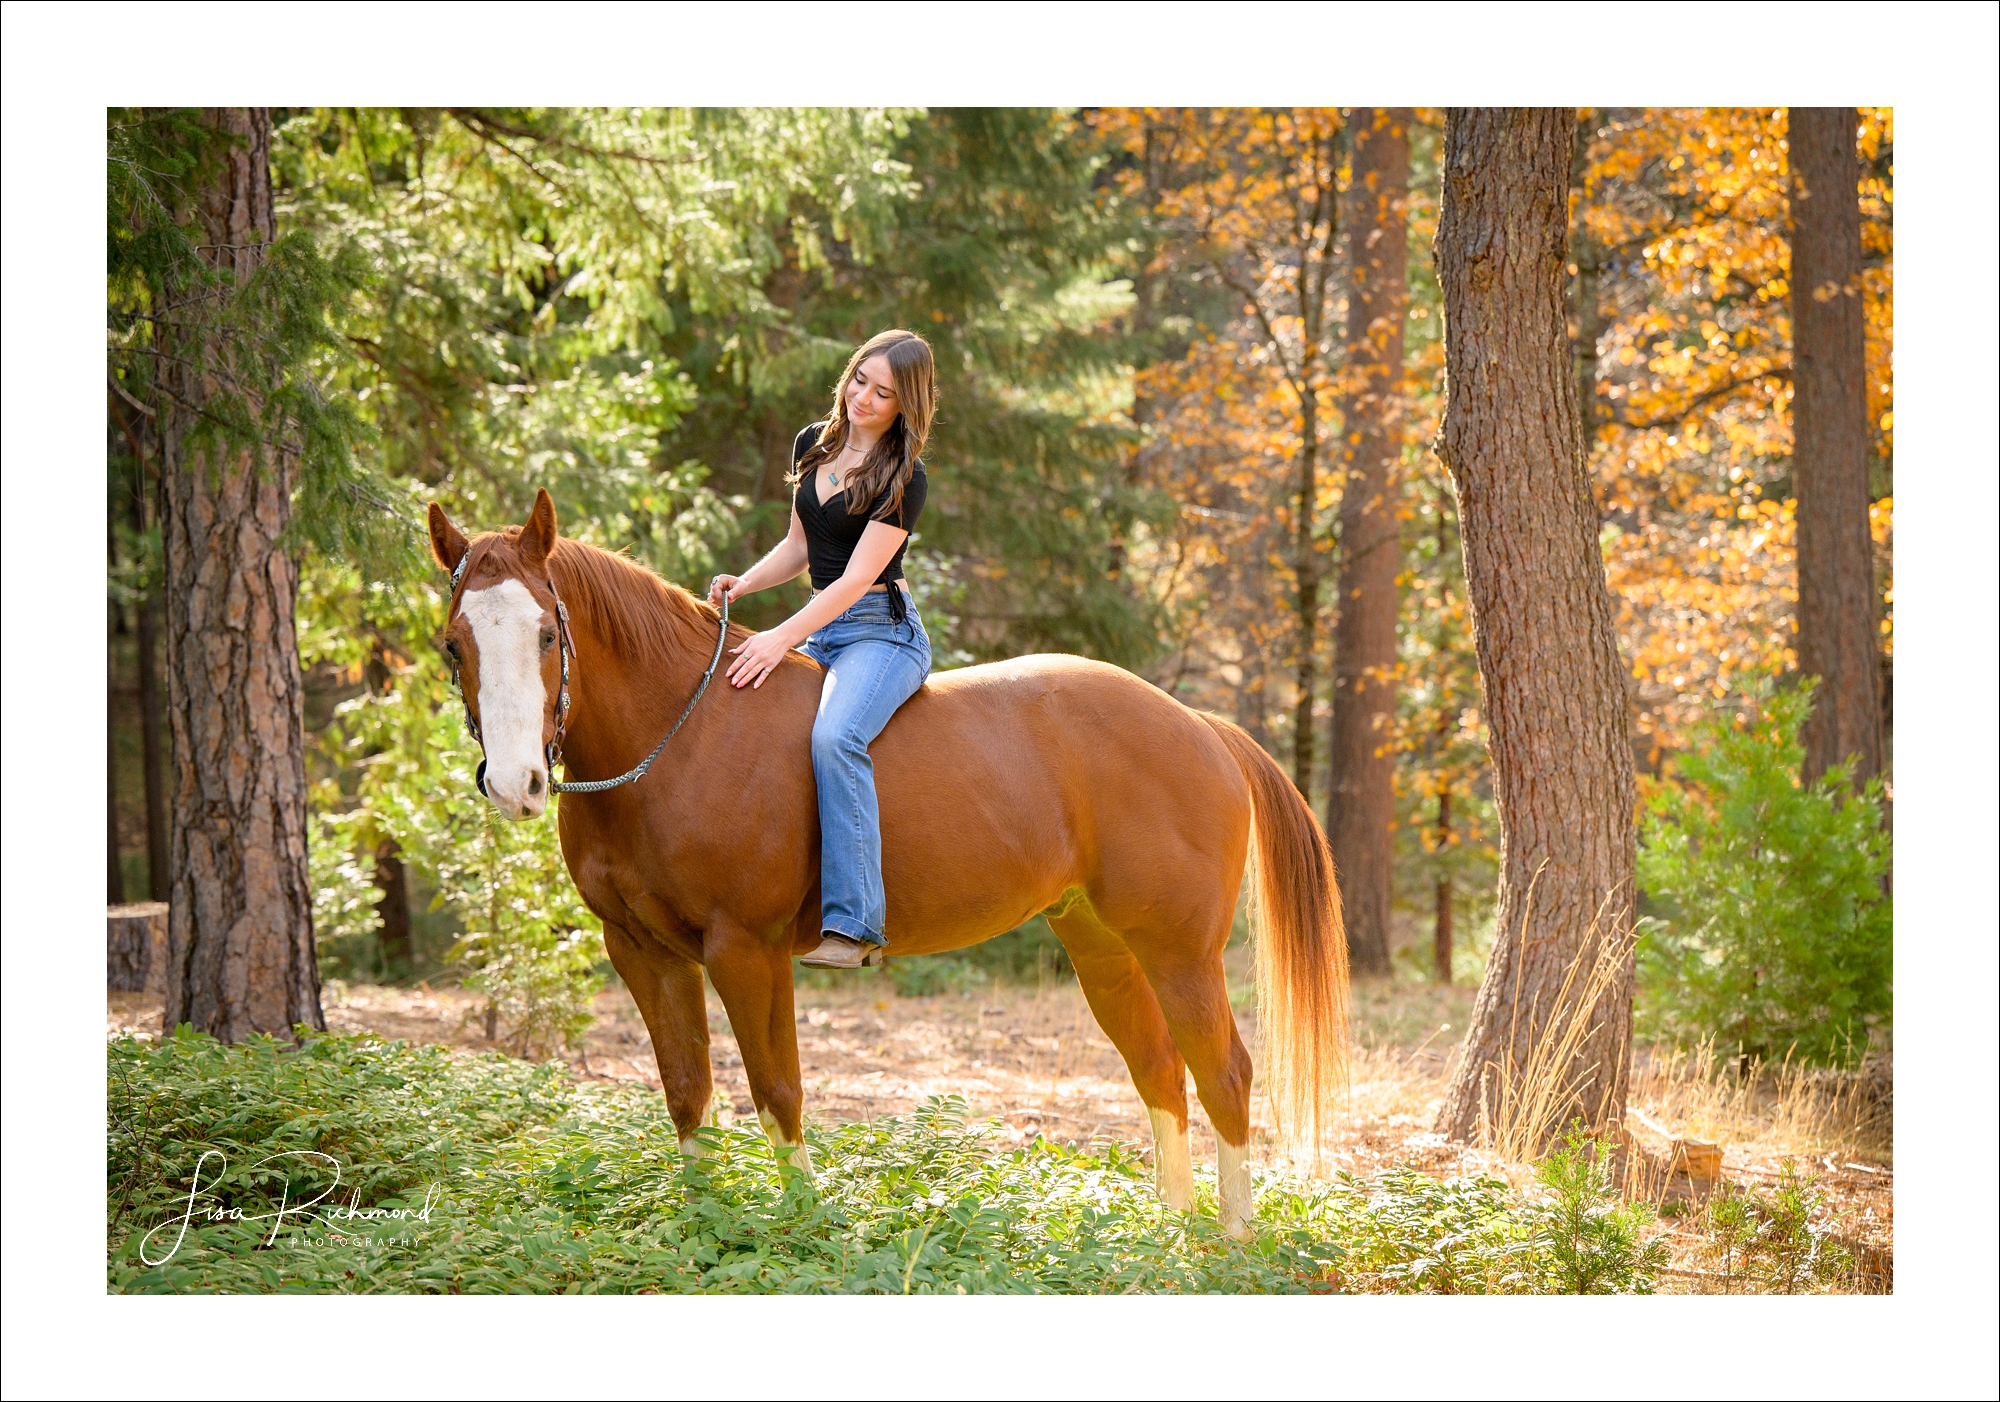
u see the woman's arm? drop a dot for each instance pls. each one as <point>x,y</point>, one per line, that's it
<point>760,652</point>
<point>785,560</point>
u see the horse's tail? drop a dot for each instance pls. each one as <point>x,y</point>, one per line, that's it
<point>1300,943</point>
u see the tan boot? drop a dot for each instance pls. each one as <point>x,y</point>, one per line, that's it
<point>840,952</point>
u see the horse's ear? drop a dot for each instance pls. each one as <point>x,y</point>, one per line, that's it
<point>538,537</point>
<point>448,542</point>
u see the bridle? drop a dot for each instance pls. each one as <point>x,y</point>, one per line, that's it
<point>552,752</point>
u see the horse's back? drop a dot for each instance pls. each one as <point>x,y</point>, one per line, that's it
<point>1003,785</point>
<point>1045,719</point>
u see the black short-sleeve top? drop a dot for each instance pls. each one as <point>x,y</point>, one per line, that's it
<point>833,530</point>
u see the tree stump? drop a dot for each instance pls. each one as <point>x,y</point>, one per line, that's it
<point>136,948</point>
<point>1663,1167</point>
<point>1698,1159</point>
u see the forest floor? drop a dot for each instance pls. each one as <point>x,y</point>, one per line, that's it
<point>1033,1059</point>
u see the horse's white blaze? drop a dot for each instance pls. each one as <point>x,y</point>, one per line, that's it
<point>506,628</point>
<point>1173,1166</point>
<point>1232,1174</point>
<point>799,1157</point>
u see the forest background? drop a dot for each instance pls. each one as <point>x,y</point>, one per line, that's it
<point>1183,429</point>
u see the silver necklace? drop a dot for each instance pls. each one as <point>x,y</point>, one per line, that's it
<point>831,480</point>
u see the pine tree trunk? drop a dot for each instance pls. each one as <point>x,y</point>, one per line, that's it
<point>114,886</point>
<point>1307,599</point>
<point>240,958</point>
<point>1588,259</point>
<point>1256,705</point>
<point>392,880</point>
<point>1837,618</point>
<point>1542,622</point>
<point>1441,921</point>
<point>150,717</point>
<point>1361,799</point>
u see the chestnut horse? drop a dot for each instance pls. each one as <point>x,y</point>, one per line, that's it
<point>1047,784</point>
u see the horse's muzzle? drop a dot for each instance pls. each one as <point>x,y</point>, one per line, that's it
<point>525,794</point>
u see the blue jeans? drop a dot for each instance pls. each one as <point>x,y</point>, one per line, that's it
<point>873,665</point>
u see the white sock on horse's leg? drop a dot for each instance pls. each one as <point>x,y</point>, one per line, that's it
<point>1173,1166</point>
<point>692,1147</point>
<point>1232,1174</point>
<point>794,1156</point>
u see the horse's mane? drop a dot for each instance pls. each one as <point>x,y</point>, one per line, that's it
<point>643,617</point>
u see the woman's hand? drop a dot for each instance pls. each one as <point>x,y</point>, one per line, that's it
<point>730,584</point>
<point>755,657</point>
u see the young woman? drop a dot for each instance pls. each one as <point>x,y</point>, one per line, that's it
<point>860,487</point>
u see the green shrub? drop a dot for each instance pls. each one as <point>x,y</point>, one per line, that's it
<point>1777,1243</point>
<point>511,1177</point>
<point>1729,1232</point>
<point>1469,1236</point>
<point>530,945</point>
<point>1776,933</point>
<point>1029,953</point>
<point>347,920</point>
<point>1590,1242</point>
<point>1415,1234</point>
<point>930,975</point>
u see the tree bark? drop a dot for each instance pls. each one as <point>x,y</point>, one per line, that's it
<point>150,717</point>
<point>1441,921</point>
<point>1361,798</point>
<point>1255,710</point>
<point>240,959</point>
<point>1589,261</point>
<point>1543,624</point>
<point>1837,619</point>
<point>114,886</point>
<point>1307,599</point>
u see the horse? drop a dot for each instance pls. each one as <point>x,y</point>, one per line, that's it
<point>1046,784</point>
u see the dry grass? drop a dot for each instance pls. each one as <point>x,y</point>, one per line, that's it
<point>1835,1127</point>
<point>1525,1100</point>
<point>1403,1036</point>
<point>1781,1109</point>
<point>1531,1105</point>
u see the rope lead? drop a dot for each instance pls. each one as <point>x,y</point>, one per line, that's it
<point>638,771</point>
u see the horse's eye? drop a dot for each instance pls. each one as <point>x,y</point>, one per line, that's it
<point>451,648</point>
<point>548,638</point>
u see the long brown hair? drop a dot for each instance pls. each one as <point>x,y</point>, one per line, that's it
<point>893,460</point>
